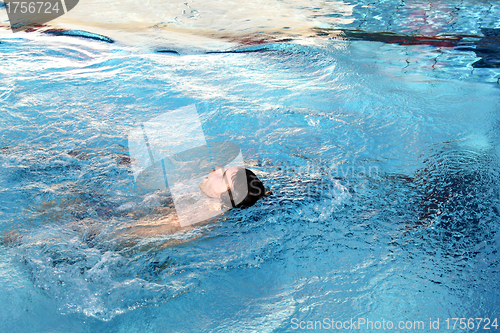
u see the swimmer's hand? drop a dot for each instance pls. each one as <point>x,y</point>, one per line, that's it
<point>268,193</point>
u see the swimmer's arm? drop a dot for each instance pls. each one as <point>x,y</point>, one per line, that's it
<point>147,227</point>
<point>148,231</point>
<point>129,238</point>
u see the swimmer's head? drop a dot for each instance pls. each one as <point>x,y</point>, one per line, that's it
<point>235,187</point>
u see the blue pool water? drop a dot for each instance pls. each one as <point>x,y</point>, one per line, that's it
<point>383,158</point>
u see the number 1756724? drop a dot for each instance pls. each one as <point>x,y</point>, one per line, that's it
<point>38,7</point>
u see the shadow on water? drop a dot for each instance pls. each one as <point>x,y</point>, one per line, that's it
<point>486,47</point>
<point>454,212</point>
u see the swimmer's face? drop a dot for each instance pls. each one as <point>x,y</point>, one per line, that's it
<point>218,181</point>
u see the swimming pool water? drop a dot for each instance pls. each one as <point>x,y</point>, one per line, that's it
<point>383,162</point>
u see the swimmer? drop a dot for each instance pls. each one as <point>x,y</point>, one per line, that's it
<point>234,187</point>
